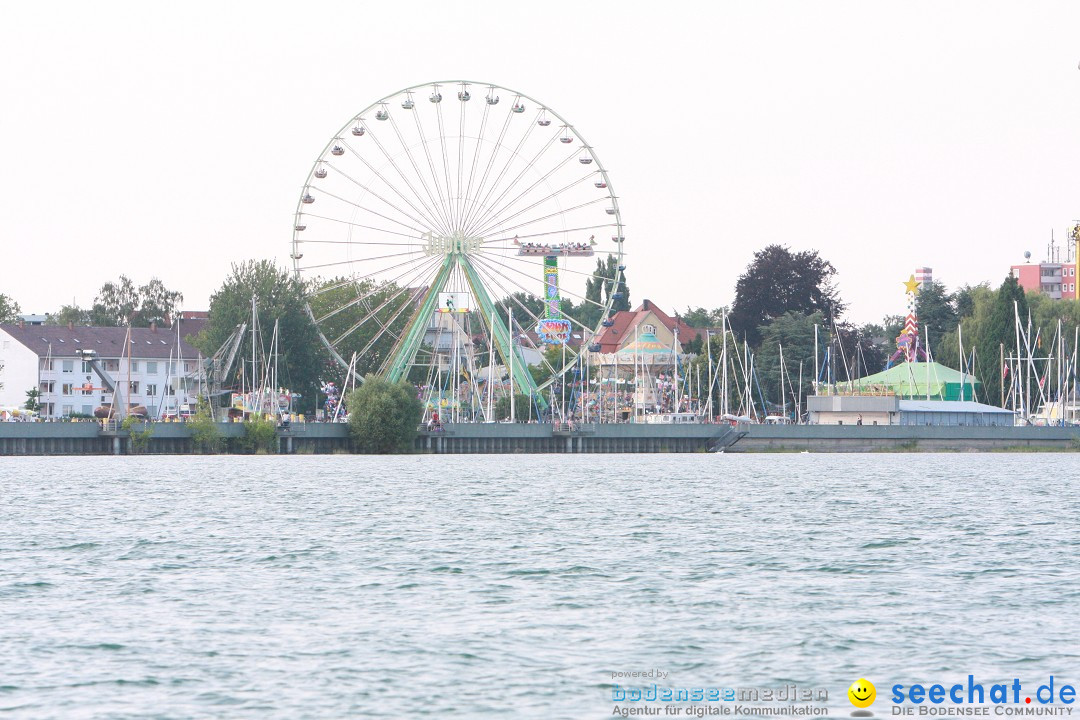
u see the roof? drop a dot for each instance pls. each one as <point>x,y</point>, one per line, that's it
<point>107,341</point>
<point>646,344</point>
<point>912,380</point>
<point>953,406</point>
<point>610,338</point>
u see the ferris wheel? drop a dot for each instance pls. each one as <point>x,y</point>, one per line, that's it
<point>455,227</point>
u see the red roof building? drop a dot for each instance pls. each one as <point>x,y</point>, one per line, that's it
<point>626,322</point>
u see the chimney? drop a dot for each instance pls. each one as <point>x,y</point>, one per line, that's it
<point>644,304</point>
<point>153,326</point>
<point>71,325</point>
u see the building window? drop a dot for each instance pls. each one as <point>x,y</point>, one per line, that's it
<point>172,367</point>
<point>151,388</point>
<point>69,366</point>
<point>133,388</point>
<point>134,366</point>
<point>169,389</point>
<point>66,410</point>
<point>151,368</point>
<point>86,367</point>
<point>87,409</point>
<point>46,387</point>
<point>65,389</point>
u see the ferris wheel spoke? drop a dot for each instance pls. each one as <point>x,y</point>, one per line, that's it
<point>490,163</point>
<point>530,263</point>
<point>488,262</point>
<point>358,225</point>
<point>431,166</point>
<point>424,221</point>
<point>549,216</point>
<point>429,217</point>
<point>461,156</point>
<point>415,290</point>
<point>491,241</point>
<point>351,261</point>
<point>487,275</point>
<point>437,207</point>
<point>354,278</point>
<point>466,210</point>
<point>514,155</point>
<point>446,165</point>
<point>493,207</point>
<point>415,269</point>
<point>358,206</point>
<point>496,220</point>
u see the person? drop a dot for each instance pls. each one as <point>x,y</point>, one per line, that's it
<point>859,421</point>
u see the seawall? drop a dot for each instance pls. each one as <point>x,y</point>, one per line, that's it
<point>88,438</point>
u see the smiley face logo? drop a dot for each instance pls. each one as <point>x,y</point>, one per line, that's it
<point>862,693</point>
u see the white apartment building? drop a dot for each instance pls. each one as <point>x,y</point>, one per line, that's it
<point>164,373</point>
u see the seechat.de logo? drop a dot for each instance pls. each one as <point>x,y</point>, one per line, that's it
<point>862,694</point>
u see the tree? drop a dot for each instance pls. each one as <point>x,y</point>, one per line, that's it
<point>9,310</point>
<point>521,408</point>
<point>121,302</point>
<point>935,309</point>
<point>795,332</point>
<point>204,430</point>
<point>383,416</point>
<point>699,317</point>
<point>302,360</point>
<point>999,330</point>
<point>599,288</point>
<point>777,282</point>
<point>260,435</point>
<point>72,314</point>
<point>32,396</point>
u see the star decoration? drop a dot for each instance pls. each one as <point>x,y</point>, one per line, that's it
<point>912,286</point>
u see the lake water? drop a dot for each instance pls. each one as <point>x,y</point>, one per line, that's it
<point>514,586</point>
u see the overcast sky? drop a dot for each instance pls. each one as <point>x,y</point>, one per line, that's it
<point>171,140</point>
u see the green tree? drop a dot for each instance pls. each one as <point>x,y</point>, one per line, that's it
<point>118,303</point>
<point>32,396</point>
<point>139,433</point>
<point>935,309</point>
<point>521,408</point>
<point>302,360</point>
<point>204,430</point>
<point>363,317</point>
<point>778,281</point>
<point>72,314</point>
<point>795,332</point>
<point>699,317</point>
<point>999,330</point>
<point>9,310</point>
<point>383,416</point>
<point>260,435</point>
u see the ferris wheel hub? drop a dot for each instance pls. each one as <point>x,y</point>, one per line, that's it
<point>456,244</point>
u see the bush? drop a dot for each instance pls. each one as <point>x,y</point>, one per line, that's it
<point>521,408</point>
<point>204,431</point>
<point>260,435</point>
<point>139,439</point>
<point>383,416</point>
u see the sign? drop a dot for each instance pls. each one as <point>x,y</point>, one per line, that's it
<point>454,302</point>
<point>553,331</point>
<point>552,303</point>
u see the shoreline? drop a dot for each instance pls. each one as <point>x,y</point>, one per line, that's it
<point>89,438</point>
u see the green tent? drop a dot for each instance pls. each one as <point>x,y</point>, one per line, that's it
<point>911,381</point>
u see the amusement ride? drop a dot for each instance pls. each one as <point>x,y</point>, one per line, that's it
<point>464,237</point>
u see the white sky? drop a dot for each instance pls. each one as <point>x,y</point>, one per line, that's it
<point>172,139</point>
